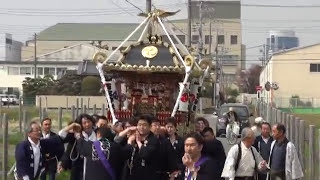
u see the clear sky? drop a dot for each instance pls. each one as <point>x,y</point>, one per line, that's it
<point>22,18</point>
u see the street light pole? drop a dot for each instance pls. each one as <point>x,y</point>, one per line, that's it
<point>35,55</point>
<point>189,24</point>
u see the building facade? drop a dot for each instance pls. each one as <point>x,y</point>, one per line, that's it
<point>10,50</point>
<point>281,40</point>
<point>13,73</point>
<point>296,73</point>
<point>68,42</point>
<point>221,34</point>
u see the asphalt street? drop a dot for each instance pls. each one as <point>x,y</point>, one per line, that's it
<point>212,122</point>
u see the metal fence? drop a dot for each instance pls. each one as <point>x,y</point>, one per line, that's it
<point>13,125</point>
<point>16,123</point>
<point>304,136</point>
<point>296,102</point>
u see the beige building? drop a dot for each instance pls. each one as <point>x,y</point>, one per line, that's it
<point>13,73</point>
<point>68,44</point>
<point>296,72</point>
<point>221,20</point>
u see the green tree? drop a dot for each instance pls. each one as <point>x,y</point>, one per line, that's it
<point>207,90</point>
<point>69,84</point>
<point>232,95</point>
<point>90,86</point>
<point>39,86</point>
<point>248,80</point>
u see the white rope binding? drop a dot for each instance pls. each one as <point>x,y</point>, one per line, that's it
<point>101,72</point>
<point>144,30</point>
<point>180,43</point>
<point>113,52</point>
<point>187,69</point>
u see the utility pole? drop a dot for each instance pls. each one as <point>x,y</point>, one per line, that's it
<point>189,23</point>
<point>217,87</point>
<point>200,30</point>
<point>200,48</point>
<point>148,9</point>
<point>210,36</point>
<point>35,55</point>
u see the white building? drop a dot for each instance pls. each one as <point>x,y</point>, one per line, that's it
<point>13,73</point>
<point>10,50</point>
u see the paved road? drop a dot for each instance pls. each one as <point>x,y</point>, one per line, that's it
<point>212,121</point>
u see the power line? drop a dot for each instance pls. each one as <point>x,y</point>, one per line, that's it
<point>280,6</point>
<point>67,14</point>
<point>126,11</point>
<point>82,9</point>
<point>72,12</point>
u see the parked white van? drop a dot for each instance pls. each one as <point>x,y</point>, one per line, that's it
<point>4,99</point>
<point>9,99</point>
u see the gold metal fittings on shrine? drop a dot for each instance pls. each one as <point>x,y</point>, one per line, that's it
<point>189,60</point>
<point>149,52</point>
<point>99,57</point>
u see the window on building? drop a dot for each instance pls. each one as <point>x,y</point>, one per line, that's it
<point>60,70</point>
<point>221,39</point>
<point>314,67</point>
<point>13,71</point>
<point>207,39</point>
<point>3,90</point>
<point>50,71</point>
<point>25,70</point>
<point>40,71</point>
<point>234,39</point>
<point>8,41</point>
<point>114,48</point>
<point>182,38</point>
<point>230,78</point>
<point>195,39</point>
<point>272,39</point>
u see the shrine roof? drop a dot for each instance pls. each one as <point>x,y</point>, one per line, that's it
<point>153,55</point>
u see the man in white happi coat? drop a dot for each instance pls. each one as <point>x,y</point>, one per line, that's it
<point>243,160</point>
<point>283,162</point>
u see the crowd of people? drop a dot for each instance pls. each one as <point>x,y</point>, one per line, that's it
<point>91,148</point>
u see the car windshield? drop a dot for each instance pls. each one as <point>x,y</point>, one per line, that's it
<point>241,111</point>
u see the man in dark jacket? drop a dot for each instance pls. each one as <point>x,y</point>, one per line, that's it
<point>30,154</point>
<point>197,165</point>
<point>142,147</point>
<point>50,160</point>
<point>263,145</point>
<point>166,155</point>
<point>97,165</point>
<point>213,148</point>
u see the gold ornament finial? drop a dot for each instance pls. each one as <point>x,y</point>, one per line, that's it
<point>99,57</point>
<point>159,13</point>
